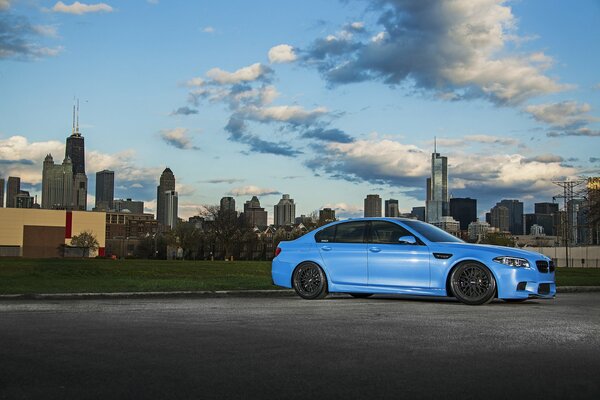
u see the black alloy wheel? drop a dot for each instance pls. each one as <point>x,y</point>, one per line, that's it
<point>361,295</point>
<point>473,284</point>
<point>309,281</point>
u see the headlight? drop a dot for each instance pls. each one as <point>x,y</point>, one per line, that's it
<point>512,261</point>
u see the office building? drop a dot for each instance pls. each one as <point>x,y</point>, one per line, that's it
<point>13,187</point>
<point>437,190</point>
<point>372,206</point>
<point>166,184</point>
<point>285,211</point>
<point>545,208</point>
<point>418,213</point>
<point>75,151</point>
<point>128,206</point>
<point>326,215</point>
<point>500,218</point>
<point>391,208</point>
<point>254,214</point>
<point>105,190</point>
<point>171,206</point>
<point>448,224</point>
<point>478,230</point>
<point>24,200</point>
<point>227,204</point>
<point>515,216</point>
<point>464,210</point>
<point>57,184</point>
<point>1,192</point>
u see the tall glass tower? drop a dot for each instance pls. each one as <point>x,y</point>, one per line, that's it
<point>437,191</point>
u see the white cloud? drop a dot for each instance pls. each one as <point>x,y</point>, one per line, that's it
<point>476,139</point>
<point>178,137</point>
<point>246,74</point>
<point>208,29</point>
<point>252,190</point>
<point>195,82</point>
<point>567,114</point>
<point>345,210</point>
<point>283,53</point>
<point>19,157</point>
<point>291,114</point>
<point>4,4</point>
<point>46,30</point>
<point>78,8</point>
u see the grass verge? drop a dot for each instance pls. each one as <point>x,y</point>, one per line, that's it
<point>29,276</point>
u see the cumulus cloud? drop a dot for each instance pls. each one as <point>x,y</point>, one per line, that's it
<point>23,158</point>
<point>185,110</point>
<point>485,175</point>
<point>250,73</point>
<point>455,47</point>
<point>78,8</point>
<point>345,210</point>
<point>223,180</point>
<point>567,114</point>
<point>178,137</point>
<point>477,139</point>
<point>208,29</point>
<point>18,39</point>
<point>294,115</point>
<point>283,53</point>
<point>252,190</point>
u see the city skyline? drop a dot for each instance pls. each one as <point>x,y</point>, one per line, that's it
<point>255,108</point>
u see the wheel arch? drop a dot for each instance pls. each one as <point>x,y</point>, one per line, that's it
<point>313,261</point>
<point>449,292</point>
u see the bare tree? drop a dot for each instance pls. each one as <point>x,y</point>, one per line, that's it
<point>222,226</point>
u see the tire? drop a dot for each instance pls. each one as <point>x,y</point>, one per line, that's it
<point>361,295</point>
<point>309,281</point>
<point>515,300</point>
<point>472,283</point>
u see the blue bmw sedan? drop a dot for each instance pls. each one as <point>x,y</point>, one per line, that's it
<point>403,256</point>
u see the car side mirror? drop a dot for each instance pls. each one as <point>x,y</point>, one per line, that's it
<point>407,240</point>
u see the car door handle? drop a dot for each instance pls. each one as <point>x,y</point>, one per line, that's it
<point>374,249</point>
<point>325,248</point>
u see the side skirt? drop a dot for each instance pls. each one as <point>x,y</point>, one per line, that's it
<point>337,288</point>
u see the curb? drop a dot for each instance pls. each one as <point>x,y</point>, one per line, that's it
<point>204,294</point>
<point>577,289</point>
<point>148,295</point>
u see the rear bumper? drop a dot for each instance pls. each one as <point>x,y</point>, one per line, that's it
<point>281,273</point>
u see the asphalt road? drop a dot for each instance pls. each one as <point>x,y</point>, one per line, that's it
<point>394,347</point>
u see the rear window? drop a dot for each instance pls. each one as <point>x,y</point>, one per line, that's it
<point>348,232</point>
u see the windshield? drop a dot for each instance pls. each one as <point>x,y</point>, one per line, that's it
<point>430,232</point>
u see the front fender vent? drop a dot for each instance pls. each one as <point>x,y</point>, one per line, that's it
<point>442,256</point>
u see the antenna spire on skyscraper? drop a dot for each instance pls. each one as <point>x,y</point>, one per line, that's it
<point>77,128</point>
<point>435,144</point>
<point>73,132</point>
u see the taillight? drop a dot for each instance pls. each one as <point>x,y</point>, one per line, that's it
<point>277,251</point>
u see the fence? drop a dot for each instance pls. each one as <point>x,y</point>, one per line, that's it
<point>580,257</point>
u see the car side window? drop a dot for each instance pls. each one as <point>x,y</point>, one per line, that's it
<point>350,232</point>
<point>326,235</point>
<point>387,232</point>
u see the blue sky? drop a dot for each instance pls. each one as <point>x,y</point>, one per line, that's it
<point>326,101</point>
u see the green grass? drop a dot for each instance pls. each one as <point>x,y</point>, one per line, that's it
<point>98,275</point>
<point>95,275</point>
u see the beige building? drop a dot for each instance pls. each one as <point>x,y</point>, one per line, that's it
<point>44,233</point>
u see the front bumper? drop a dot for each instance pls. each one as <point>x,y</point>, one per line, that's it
<point>523,283</point>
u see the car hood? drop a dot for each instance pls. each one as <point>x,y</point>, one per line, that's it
<point>493,250</point>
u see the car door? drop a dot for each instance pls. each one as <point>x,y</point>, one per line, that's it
<point>343,249</point>
<point>392,263</point>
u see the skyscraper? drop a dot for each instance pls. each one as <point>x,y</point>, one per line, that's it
<point>499,218</point>
<point>166,184</point>
<point>75,151</point>
<point>515,216</point>
<point>227,204</point>
<point>285,211</point>
<point>372,205</point>
<point>464,210</point>
<point>1,192</point>
<point>171,205</point>
<point>13,187</point>
<point>254,214</point>
<point>57,184</point>
<point>437,200</point>
<point>391,208</point>
<point>105,190</point>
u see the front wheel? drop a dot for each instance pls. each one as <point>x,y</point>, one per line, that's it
<point>309,281</point>
<point>473,284</point>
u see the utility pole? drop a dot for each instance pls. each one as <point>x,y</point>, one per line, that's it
<point>566,222</point>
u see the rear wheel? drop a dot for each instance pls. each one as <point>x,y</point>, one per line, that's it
<point>361,295</point>
<point>472,283</point>
<point>309,281</point>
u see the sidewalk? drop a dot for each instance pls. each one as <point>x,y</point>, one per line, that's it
<point>203,294</point>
